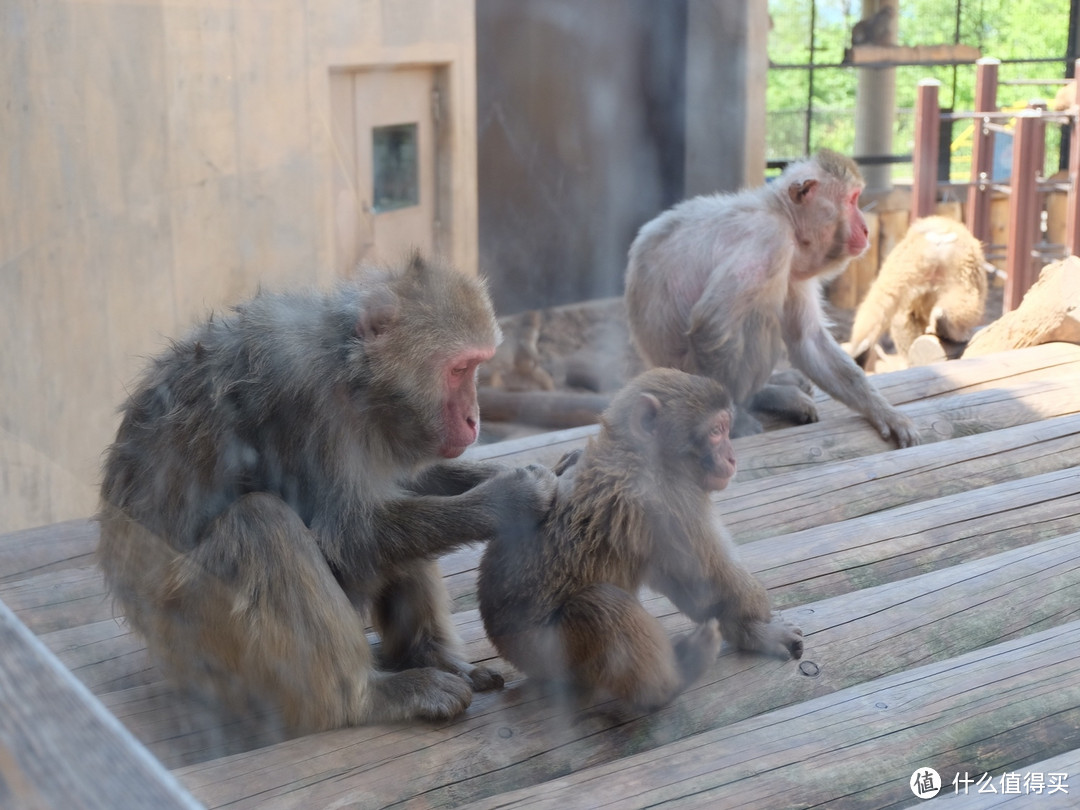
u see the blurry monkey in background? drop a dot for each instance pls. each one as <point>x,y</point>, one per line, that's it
<point>282,475</point>
<point>634,509</point>
<point>720,285</point>
<point>933,282</point>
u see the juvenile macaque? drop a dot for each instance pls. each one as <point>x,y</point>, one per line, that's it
<point>874,30</point>
<point>719,285</point>
<point>634,509</point>
<point>274,482</point>
<point>933,283</point>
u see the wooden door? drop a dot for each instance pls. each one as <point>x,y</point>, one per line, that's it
<point>387,150</point>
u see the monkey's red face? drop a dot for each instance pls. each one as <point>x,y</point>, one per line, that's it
<point>461,412</point>
<point>858,233</point>
<point>719,461</point>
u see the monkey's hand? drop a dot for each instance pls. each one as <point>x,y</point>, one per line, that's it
<point>892,424</point>
<point>567,461</point>
<point>525,496</point>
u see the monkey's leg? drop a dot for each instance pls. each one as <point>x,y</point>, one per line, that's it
<point>786,401</point>
<point>956,313</point>
<point>256,608</point>
<point>612,643</point>
<point>411,613</point>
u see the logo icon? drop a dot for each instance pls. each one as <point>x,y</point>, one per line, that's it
<point>925,783</point>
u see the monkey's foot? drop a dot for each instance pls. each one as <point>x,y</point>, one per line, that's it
<point>696,650</point>
<point>777,638</point>
<point>484,679</point>
<point>418,694</point>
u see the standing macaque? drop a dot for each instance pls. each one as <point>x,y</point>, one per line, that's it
<point>282,474</point>
<point>932,283</point>
<point>719,285</point>
<point>634,509</point>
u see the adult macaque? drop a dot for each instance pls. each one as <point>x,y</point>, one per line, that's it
<point>273,482</point>
<point>633,509</point>
<point>719,285</point>
<point>933,283</point>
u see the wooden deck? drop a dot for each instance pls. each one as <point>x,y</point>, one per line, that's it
<point>938,588</point>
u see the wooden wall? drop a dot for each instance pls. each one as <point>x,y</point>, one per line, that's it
<point>161,159</point>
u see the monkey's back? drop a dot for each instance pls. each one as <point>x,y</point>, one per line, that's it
<point>670,272</point>
<point>592,535</point>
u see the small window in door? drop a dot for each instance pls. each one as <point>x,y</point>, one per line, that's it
<point>395,152</point>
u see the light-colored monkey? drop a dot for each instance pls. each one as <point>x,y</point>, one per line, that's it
<point>933,282</point>
<point>720,285</point>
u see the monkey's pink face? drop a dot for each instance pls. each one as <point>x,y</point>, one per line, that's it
<point>461,412</point>
<point>858,233</point>
<point>719,462</point>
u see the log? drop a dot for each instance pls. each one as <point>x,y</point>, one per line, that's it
<point>518,738</point>
<point>803,499</point>
<point>1049,311</point>
<point>1057,363</point>
<point>550,409</point>
<point>976,713</point>
<point>60,747</point>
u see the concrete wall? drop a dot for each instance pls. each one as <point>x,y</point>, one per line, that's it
<point>160,159</point>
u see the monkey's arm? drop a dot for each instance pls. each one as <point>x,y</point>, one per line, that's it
<point>410,527</point>
<point>706,580</point>
<point>817,354</point>
<point>453,477</point>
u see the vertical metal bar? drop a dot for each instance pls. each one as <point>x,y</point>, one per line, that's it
<point>982,150</point>
<point>924,160</point>
<point>1023,212</point>
<point>810,81</point>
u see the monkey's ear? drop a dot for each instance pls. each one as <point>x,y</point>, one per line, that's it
<point>378,312</point>
<point>801,192</point>
<point>643,417</point>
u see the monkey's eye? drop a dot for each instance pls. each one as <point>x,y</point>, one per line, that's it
<point>459,371</point>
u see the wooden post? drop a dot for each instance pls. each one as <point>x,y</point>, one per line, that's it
<point>1072,205</point>
<point>982,150</point>
<point>1019,268</point>
<point>924,168</point>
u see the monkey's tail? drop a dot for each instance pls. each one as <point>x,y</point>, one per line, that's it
<point>872,319</point>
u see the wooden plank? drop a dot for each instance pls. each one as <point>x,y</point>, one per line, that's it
<point>1012,368</point>
<point>47,548</point>
<point>965,797</point>
<point>517,738</point>
<point>806,498</point>
<point>1052,362</point>
<point>857,747</point>
<point>840,439</point>
<point>902,542</point>
<point>59,599</point>
<point>59,747</point>
<point>892,55</point>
